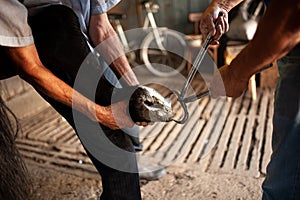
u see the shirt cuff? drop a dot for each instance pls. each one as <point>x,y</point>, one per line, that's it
<point>16,41</point>
<point>102,6</point>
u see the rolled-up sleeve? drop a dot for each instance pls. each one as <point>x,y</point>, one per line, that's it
<point>14,29</point>
<point>102,6</point>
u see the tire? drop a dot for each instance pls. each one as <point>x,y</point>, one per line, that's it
<point>154,59</point>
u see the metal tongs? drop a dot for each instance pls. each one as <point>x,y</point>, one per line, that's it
<point>181,96</point>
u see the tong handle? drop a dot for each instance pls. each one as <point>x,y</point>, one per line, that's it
<point>209,37</point>
<point>180,96</point>
<point>198,61</point>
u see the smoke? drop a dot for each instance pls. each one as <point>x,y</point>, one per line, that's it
<point>14,182</point>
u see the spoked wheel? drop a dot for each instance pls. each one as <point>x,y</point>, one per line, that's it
<point>167,60</point>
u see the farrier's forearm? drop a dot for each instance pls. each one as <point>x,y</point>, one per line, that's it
<point>277,33</point>
<point>30,68</point>
<point>108,44</point>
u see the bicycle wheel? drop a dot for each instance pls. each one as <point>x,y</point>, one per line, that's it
<point>166,61</point>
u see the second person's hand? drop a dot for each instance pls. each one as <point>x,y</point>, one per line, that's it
<point>214,21</point>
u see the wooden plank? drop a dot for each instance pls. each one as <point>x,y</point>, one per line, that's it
<point>34,157</point>
<point>219,115</point>
<point>194,134</point>
<point>74,140</point>
<point>164,148</point>
<point>245,102</point>
<point>47,155</point>
<point>191,139</point>
<point>35,121</point>
<point>43,129</point>
<point>268,147</point>
<point>235,143</point>
<point>31,142</point>
<point>33,131</point>
<point>208,138</point>
<point>145,132</point>
<point>221,148</point>
<point>160,155</point>
<point>152,136</point>
<point>268,137</point>
<point>76,172</point>
<point>208,151</point>
<point>161,137</point>
<point>58,125</point>
<point>63,136</point>
<point>259,134</point>
<point>177,143</point>
<point>194,156</point>
<point>246,143</point>
<point>53,161</point>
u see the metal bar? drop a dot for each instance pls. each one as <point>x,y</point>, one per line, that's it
<point>195,66</point>
<point>196,97</point>
<point>197,63</point>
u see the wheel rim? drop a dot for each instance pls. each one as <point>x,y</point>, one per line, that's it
<point>164,63</point>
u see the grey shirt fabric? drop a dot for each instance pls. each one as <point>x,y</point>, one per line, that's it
<point>14,29</point>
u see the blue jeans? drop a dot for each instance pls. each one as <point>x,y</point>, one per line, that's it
<point>62,49</point>
<point>283,172</point>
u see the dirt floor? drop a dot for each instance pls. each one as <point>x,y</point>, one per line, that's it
<point>181,182</point>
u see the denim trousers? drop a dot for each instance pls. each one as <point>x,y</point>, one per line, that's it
<point>62,48</point>
<point>282,181</point>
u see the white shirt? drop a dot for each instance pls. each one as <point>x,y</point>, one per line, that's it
<point>14,29</point>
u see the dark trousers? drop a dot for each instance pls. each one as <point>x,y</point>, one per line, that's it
<point>62,49</point>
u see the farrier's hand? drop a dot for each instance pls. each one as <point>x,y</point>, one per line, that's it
<point>114,116</point>
<point>227,83</point>
<point>214,21</point>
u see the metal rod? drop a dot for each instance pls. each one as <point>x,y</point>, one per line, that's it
<point>196,97</point>
<point>196,65</point>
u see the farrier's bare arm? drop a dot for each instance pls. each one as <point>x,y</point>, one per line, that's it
<point>277,33</point>
<point>30,68</point>
<point>105,38</point>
